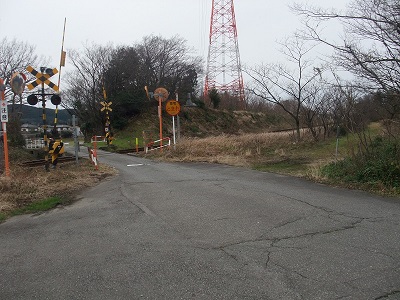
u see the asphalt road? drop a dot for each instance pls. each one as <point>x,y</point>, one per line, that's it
<point>204,231</point>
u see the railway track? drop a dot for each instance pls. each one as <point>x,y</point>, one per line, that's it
<point>125,151</point>
<point>42,162</point>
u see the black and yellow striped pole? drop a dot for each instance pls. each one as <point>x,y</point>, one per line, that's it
<point>55,100</point>
<point>62,64</point>
<point>46,148</point>
<point>107,107</point>
<point>56,146</point>
<point>42,79</point>
<point>63,53</point>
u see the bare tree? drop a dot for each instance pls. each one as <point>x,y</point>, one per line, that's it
<point>289,88</point>
<point>85,85</point>
<point>166,62</point>
<point>370,46</point>
<point>311,110</point>
<point>15,56</point>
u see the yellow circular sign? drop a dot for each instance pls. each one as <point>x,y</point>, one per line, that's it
<point>172,107</point>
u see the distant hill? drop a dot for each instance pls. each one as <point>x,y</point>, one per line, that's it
<point>33,115</point>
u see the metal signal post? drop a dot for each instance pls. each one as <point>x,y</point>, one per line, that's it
<point>107,107</point>
<point>43,78</point>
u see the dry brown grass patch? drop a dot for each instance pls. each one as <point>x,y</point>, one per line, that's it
<point>237,150</point>
<point>26,185</point>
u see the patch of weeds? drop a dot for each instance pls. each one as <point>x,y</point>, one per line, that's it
<point>109,148</point>
<point>379,168</point>
<point>3,217</point>
<point>193,128</point>
<point>34,207</point>
<point>186,115</point>
<point>38,206</point>
<point>210,118</point>
<point>288,166</point>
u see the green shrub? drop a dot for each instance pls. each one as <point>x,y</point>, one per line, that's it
<point>200,104</point>
<point>215,98</point>
<point>186,115</point>
<point>381,164</point>
<point>120,123</point>
<point>66,134</point>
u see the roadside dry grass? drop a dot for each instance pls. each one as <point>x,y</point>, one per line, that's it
<point>25,186</point>
<point>269,151</point>
<point>238,150</point>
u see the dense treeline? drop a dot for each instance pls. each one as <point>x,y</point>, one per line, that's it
<point>123,72</point>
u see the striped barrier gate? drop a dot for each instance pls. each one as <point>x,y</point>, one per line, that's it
<point>165,142</point>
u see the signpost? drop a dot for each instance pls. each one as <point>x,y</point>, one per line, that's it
<point>4,110</point>
<point>4,120</point>
<point>173,108</point>
<point>161,95</point>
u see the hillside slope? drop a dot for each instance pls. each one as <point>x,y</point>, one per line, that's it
<point>203,122</point>
<point>33,114</point>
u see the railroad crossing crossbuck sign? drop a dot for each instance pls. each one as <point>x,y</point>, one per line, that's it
<point>106,106</point>
<point>42,78</point>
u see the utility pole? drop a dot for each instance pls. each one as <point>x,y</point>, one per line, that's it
<point>224,71</point>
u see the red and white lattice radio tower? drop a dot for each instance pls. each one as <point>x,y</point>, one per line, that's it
<point>223,63</point>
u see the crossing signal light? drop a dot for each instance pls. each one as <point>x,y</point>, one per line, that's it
<point>55,99</point>
<point>32,99</point>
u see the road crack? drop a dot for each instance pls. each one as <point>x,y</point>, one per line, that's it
<point>387,295</point>
<point>140,205</point>
<point>289,237</point>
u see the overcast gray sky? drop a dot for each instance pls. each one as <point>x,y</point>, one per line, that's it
<point>260,23</point>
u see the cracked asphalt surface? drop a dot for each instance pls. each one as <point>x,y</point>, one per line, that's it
<point>204,231</point>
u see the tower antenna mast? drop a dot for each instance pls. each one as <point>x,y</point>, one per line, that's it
<point>224,71</point>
